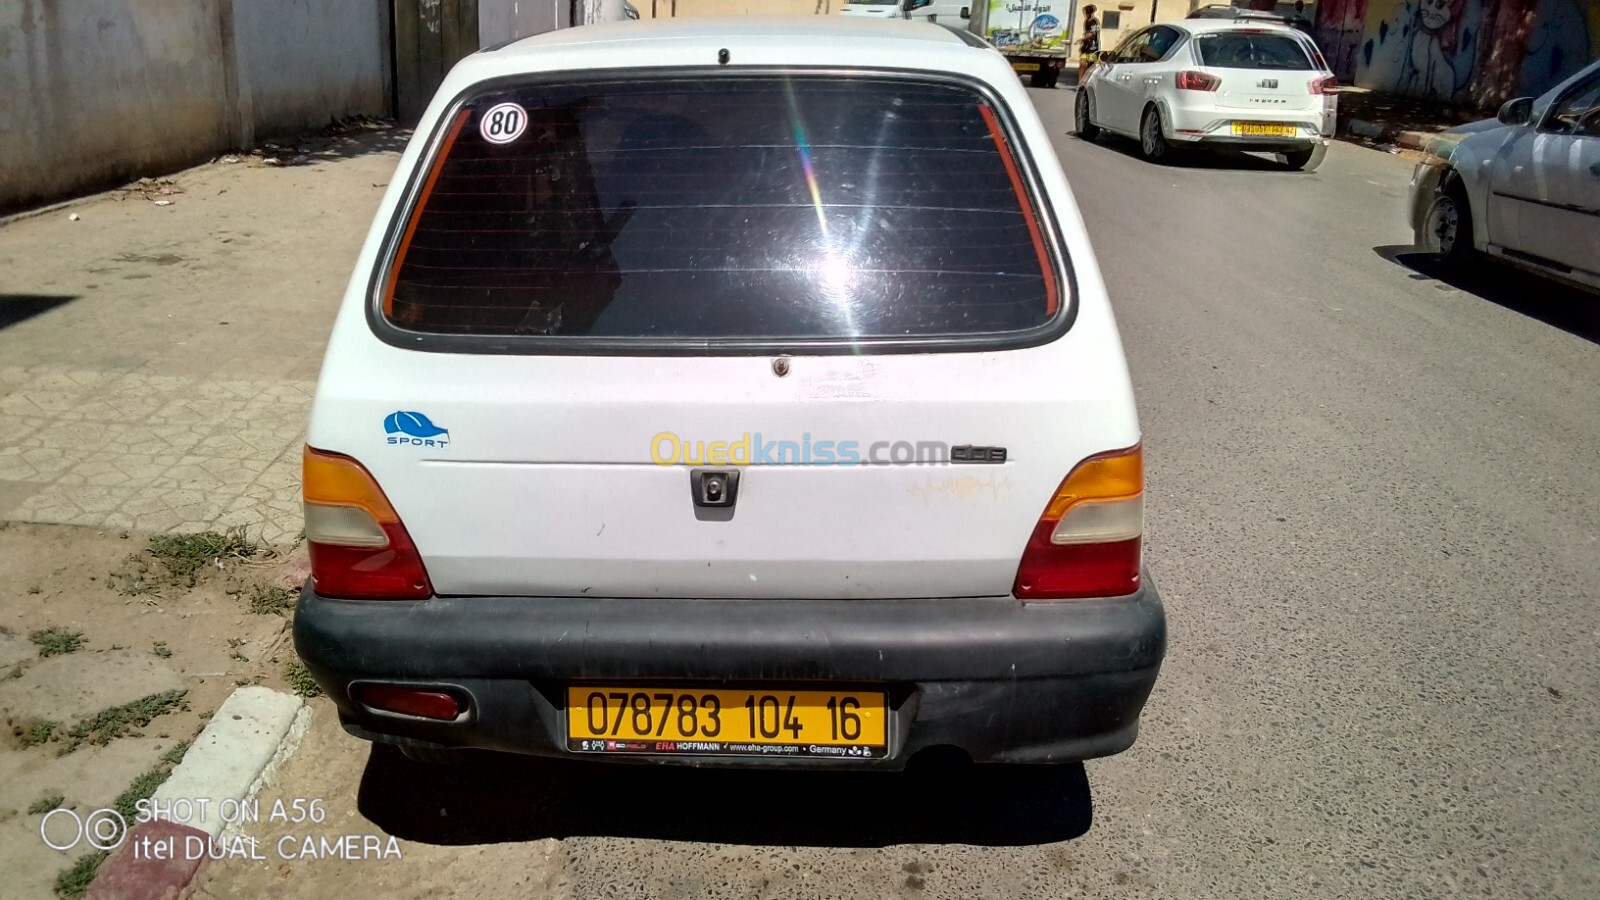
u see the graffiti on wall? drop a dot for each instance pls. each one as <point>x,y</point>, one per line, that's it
<point>1431,49</point>
<point>1564,38</point>
<point>1422,48</point>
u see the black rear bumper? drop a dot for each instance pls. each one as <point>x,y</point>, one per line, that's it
<point>1002,680</point>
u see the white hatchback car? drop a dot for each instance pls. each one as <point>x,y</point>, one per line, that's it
<point>1214,83</point>
<point>724,392</point>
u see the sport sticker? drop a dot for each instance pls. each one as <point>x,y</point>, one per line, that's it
<point>503,123</point>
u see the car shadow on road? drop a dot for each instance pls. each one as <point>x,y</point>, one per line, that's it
<point>1219,159</point>
<point>1570,309</point>
<point>496,798</point>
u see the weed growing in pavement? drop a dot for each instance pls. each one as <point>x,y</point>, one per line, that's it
<point>160,649</point>
<point>39,731</point>
<point>53,641</point>
<point>300,680</point>
<point>74,880</point>
<point>270,599</point>
<point>109,724</point>
<point>141,789</point>
<point>175,755</point>
<point>177,560</point>
<point>236,655</point>
<point>183,555</point>
<point>235,642</point>
<point>45,804</point>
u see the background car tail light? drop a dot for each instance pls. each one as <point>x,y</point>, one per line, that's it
<point>1327,85</point>
<point>359,548</point>
<point>408,701</point>
<point>1089,541</point>
<point>1198,81</point>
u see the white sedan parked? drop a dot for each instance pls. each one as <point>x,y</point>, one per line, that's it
<point>1524,188</point>
<point>1213,83</point>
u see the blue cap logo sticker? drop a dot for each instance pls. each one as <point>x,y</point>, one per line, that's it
<point>415,429</point>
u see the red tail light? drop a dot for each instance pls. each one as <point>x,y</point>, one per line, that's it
<point>1328,85</point>
<point>1198,81</point>
<point>1089,541</point>
<point>408,701</point>
<point>359,548</point>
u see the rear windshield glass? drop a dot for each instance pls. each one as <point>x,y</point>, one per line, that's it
<point>1251,50</point>
<point>746,209</point>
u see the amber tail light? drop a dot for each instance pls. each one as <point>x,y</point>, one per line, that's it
<point>359,547</point>
<point>1089,541</point>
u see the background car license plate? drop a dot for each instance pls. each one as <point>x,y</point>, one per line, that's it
<point>1265,129</point>
<point>759,722</point>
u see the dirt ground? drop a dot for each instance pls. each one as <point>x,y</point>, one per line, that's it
<point>203,641</point>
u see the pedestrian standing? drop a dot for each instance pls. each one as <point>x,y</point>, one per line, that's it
<point>1089,44</point>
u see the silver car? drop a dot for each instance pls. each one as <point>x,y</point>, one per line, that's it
<point>1523,187</point>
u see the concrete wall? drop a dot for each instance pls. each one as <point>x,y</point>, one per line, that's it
<point>94,92</point>
<point>301,62</point>
<point>686,8</point>
<point>500,21</point>
<point>1468,52</point>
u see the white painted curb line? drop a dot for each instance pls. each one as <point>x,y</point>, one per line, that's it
<point>255,729</point>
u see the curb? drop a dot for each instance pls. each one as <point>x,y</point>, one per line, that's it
<point>1384,134</point>
<point>238,752</point>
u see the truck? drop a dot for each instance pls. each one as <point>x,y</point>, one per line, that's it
<point>1031,34</point>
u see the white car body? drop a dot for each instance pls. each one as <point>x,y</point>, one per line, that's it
<point>1063,401</point>
<point>1136,82</point>
<point>1532,189</point>
<point>950,13</point>
<point>495,524</point>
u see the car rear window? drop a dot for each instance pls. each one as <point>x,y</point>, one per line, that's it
<point>753,208</point>
<point>1251,50</point>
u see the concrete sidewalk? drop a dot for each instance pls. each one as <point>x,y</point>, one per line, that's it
<point>157,361</point>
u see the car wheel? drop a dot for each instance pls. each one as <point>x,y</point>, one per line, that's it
<point>1152,143</point>
<point>1447,231</point>
<point>1304,160</point>
<point>1040,78</point>
<point>1083,116</point>
<point>433,756</point>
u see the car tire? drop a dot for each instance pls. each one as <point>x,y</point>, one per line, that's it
<point>1040,78</point>
<point>1447,230</point>
<point>1153,144</point>
<point>1083,116</point>
<point>1307,160</point>
<point>433,756</point>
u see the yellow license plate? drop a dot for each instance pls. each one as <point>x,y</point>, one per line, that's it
<point>756,722</point>
<point>1025,67</point>
<point>1266,129</point>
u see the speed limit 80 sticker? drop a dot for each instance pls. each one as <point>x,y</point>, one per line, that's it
<point>503,123</point>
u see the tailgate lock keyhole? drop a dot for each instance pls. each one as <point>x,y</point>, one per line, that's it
<point>714,488</point>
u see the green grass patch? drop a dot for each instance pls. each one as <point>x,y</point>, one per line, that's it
<point>53,641</point>
<point>141,789</point>
<point>300,680</point>
<point>40,731</point>
<point>270,599</point>
<point>45,804</point>
<point>110,724</point>
<point>184,555</point>
<point>74,880</point>
<point>175,755</point>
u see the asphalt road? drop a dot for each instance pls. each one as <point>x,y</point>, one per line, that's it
<point>1374,514</point>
